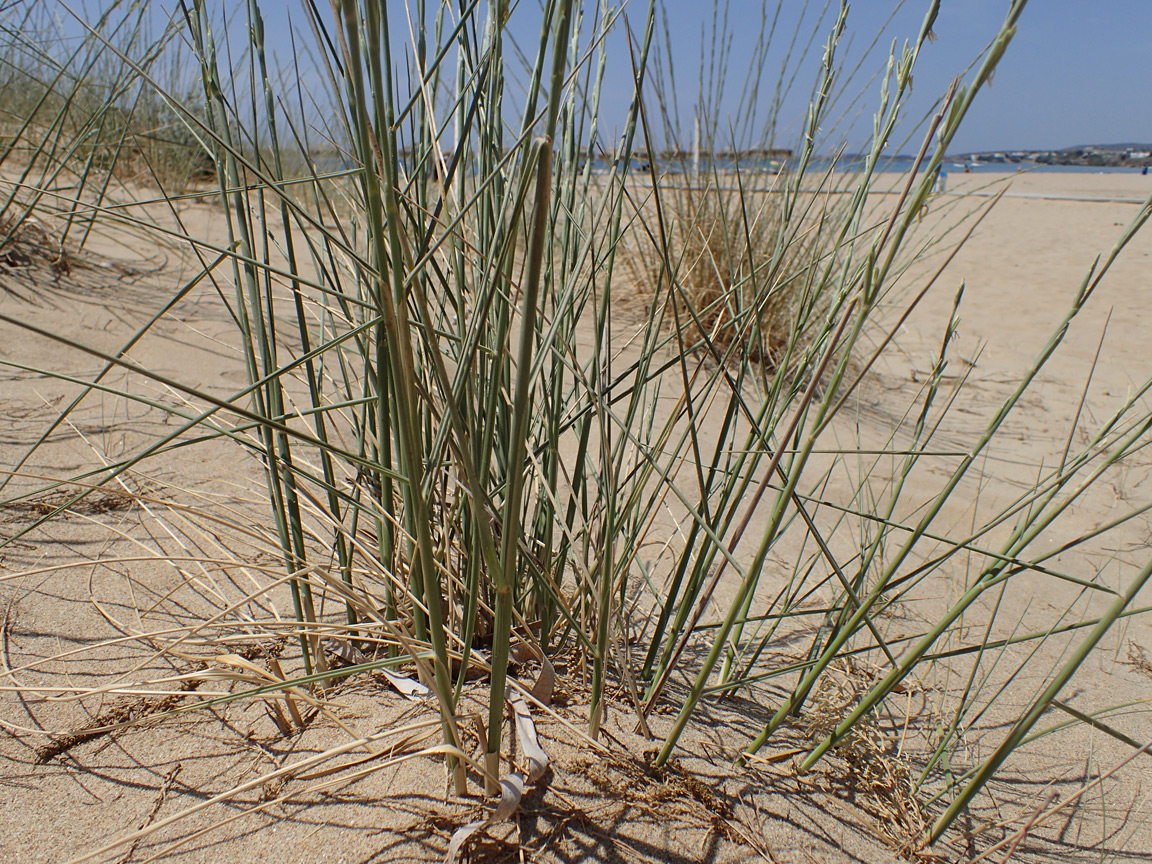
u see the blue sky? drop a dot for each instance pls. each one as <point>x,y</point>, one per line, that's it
<point>1076,73</point>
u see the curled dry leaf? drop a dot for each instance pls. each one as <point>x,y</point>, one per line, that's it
<point>511,791</point>
<point>409,688</point>
<point>342,649</point>
<point>526,733</point>
<point>512,787</point>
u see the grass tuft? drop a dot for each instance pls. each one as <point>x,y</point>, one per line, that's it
<point>734,273</point>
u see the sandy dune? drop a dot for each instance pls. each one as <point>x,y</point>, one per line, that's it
<point>73,583</point>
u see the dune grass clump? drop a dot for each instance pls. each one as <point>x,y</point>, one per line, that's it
<point>480,485</point>
<point>76,119</point>
<point>735,281</point>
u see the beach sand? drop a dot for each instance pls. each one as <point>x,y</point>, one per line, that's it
<point>78,581</point>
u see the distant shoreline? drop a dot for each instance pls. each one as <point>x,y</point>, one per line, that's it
<point>1088,156</point>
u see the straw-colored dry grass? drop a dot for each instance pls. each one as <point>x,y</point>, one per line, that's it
<point>869,764</point>
<point>730,275</point>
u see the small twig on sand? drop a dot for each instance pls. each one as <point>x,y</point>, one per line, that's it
<point>169,779</point>
<point>1037,819</point>
<point>1023,832</point>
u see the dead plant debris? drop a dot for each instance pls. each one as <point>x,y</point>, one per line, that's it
<point>668,791</point>
<point>867,766</point>
<point>124,712</point>
<point>1138,659</point>
<point>98,502</point>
